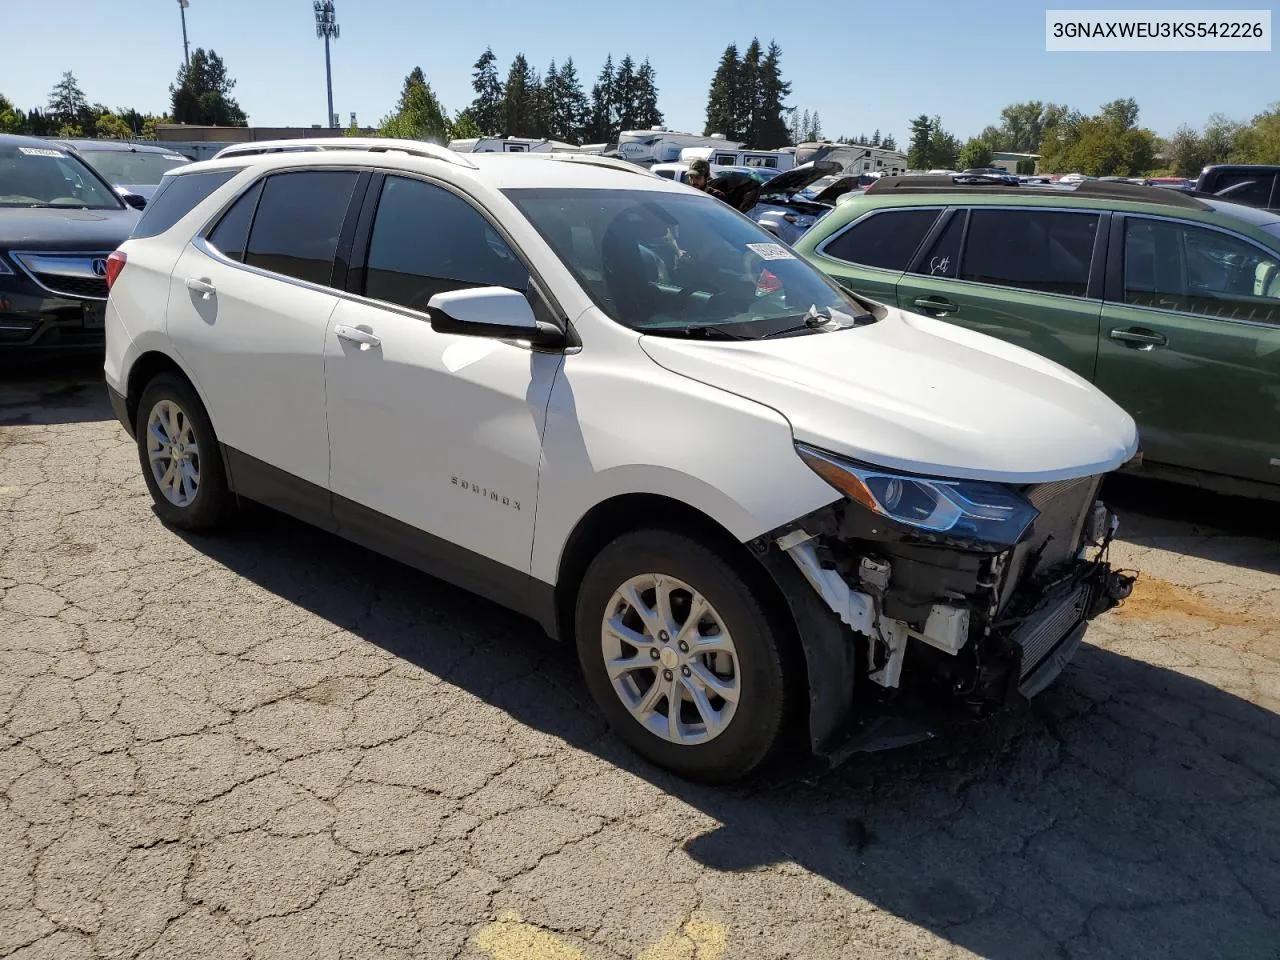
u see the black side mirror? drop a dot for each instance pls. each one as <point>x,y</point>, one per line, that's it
<point>135,200</point>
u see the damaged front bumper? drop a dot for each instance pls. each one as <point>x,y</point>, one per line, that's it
<point>902,635</point>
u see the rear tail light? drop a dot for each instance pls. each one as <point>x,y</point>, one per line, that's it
<point>115,263</point>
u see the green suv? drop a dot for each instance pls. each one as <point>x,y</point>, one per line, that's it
<point>1168,302</point>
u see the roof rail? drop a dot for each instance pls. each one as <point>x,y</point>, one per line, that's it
<point>418,148</point>
<point>1095,189</point>
<point>323,144</point>
<point>595,160</point>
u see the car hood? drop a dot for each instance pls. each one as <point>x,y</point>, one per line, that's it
<point>916,394</point>
<point>798,178</point>
<point>47,228</point>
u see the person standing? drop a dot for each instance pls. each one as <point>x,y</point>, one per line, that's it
<point>700,179</point>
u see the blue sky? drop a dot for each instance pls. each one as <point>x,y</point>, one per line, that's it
<point>861,65</point>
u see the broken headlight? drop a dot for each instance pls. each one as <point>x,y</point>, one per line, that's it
<point>967,509</point>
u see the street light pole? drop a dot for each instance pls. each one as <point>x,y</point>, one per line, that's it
<point>186,49</point>
<point>327,29</point>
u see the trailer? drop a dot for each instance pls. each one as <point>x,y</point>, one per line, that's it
<point>779,160</point>
<point>853,157</point>
<point>660,145</point>
<point>511,145</point>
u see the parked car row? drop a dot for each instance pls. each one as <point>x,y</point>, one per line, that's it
<point>769,512</point>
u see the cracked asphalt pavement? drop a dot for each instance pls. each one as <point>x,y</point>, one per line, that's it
<point>274,744</point>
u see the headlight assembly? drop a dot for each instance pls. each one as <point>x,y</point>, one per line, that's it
<point>965,509</point>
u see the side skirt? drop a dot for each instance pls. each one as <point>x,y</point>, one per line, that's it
<point>255,480</point>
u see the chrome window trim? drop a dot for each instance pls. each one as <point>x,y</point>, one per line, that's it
<point>1271,254</point>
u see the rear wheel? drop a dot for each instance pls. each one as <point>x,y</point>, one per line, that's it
<point>180,459</point>
<point>681,657</point>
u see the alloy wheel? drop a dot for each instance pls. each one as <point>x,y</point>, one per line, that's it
<point>670,659</point>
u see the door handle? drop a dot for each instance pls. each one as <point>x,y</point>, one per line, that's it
<point>1140,337</point>
<point>935,305</point>
<point>365,338</point>
<point>201,286</point>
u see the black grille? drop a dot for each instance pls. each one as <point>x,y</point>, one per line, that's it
<point>1056,535</point>
<point>74,287</point>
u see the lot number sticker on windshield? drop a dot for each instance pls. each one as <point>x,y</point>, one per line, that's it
<point>40,152</point>
<point>771,251</point>
<point>172,156</point>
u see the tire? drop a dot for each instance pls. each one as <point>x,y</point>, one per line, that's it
<point>746,732</point>
<point>202,501</point>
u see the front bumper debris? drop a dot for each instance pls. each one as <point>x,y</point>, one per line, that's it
<point>914,639</point>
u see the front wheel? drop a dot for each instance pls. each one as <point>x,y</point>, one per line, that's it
<point>180,459</point>
<point>681,657</point>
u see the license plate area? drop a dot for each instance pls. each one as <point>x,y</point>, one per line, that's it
<point>95,316</point>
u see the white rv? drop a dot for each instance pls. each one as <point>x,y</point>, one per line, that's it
<point>511,145</point>
<point>660,145</point>
<point>779,160</point>
<point>854,157</point>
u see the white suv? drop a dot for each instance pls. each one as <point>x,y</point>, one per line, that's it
<point>760,505</point>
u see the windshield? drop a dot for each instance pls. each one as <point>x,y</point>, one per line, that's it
<point>124,167</point>
<point>679,264</point>
<point>45,177</point>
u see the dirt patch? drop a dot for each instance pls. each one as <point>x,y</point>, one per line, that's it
<point>1155,599</point>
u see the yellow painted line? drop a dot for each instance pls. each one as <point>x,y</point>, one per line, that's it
<point>698,938</point>
<point>510,938</point>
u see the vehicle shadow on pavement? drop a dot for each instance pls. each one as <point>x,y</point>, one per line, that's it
<point>54,391</point>
<point>1132,811</point>
<point>1239,531</point>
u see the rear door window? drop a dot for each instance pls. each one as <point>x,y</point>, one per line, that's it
<point>886,239</point>
<point>299,221</point>
<point>1048,251</point>
<point>176,197</point>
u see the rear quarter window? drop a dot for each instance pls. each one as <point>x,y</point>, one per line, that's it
<point>177,196</point>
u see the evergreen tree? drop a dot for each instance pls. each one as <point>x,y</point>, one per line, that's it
<point>875,138</point>
<point>815,127</point>
<point>602,105</point>
<point>418,114</point>
<point>806,126</point>
<point>68,106</point>
<point>625,95</point>
<point>486,108</point>
<point>772,132</point>
<point>202,93</point>
<point>750,106</point>
<point>549,109</point>
<point>889,143</point>
<point>918,152</point>
<point>537,106</point>
<point>722,101</point>
<point>648,115</point>
<point>518,105</point>
<point>575,115</point>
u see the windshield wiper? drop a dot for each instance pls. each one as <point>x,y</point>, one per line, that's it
<point>816,319</point>
<point>693,333</point>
